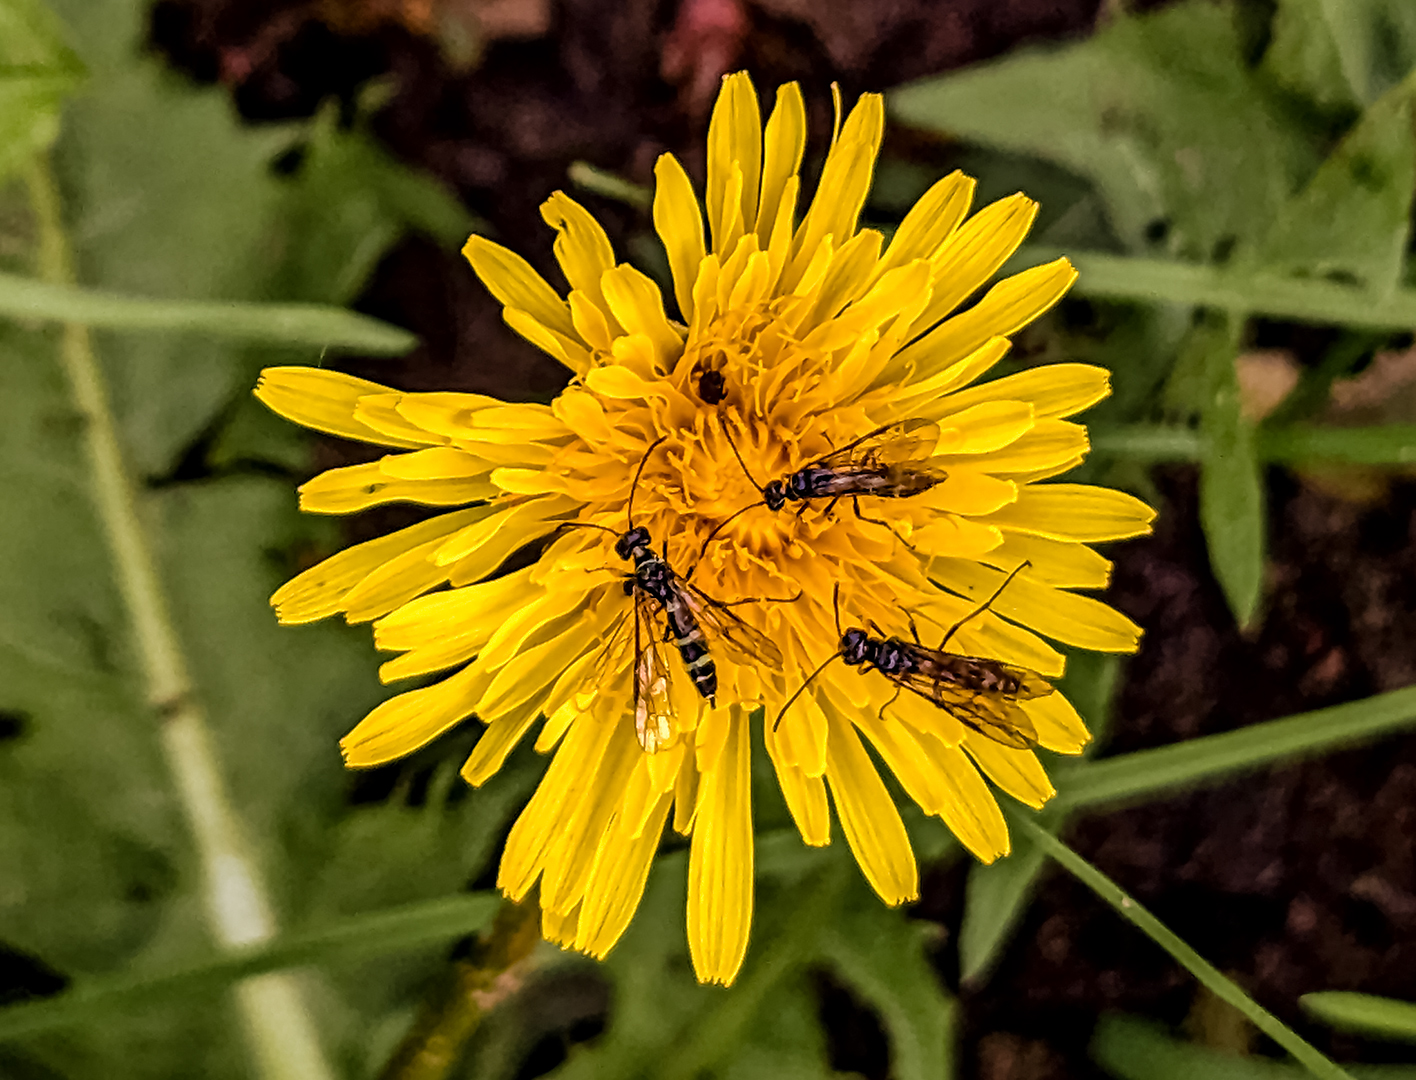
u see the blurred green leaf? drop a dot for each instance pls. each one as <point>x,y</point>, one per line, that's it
<point>1363,1014</point>
<point>271,324</point>
<point>883,956</point>
<point>1204,972</point>
<point>1341,53</point>
<point>1158,110</point>
<point>1118,277</point>
<point>1131,1048</point>
<point>1214,757</point>
<point>387,931</point>
<point>1297,444</point>
<point>37,71</point>
<point>1353,219</point>
<point>1232,496</point>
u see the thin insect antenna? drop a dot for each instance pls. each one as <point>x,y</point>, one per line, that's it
<point>745,470</point>
<point>984,606</point>
<point>836,607</point>
<point>629,510</point>
<point>809,679</point>
<point>719,527</point>
<point>585,525</point>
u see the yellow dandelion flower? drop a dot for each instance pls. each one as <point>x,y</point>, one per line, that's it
<point>796,336</point>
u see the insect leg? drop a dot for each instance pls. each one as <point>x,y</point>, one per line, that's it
<point>914,630</point>
<point>887,704</point>
<point>832,505</point>
<point>984,606</point>
<point>759,600</point>
<point>855,502</point>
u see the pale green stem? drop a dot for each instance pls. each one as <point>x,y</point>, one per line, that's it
<point>281,1031</point>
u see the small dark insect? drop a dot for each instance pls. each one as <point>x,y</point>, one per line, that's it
<point>686,612</point>
<point>981,694</point>
<point>889,462</point>
<point>712,387</point>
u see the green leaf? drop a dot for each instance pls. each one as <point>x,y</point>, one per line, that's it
<point>1232,496</point>
<point>1158,281</point>
<point>1205,973</point>
<point>1298,444</point>
<point>1341,53</point>
<point>1159,111</point>
<point>393,930</point>
<point>1353,219</point>
<point>1131,1048</point>
<point>37,71</point>
<point>1363,1014</point>
<point>882,956</point>
<point>312,325</point>
<point>1216,757</point>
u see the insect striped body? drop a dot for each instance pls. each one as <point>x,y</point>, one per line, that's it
<point>656,579</point>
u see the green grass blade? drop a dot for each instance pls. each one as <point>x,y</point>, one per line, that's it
<point>995,897</point>
<point>394,930</point>
<point>1364,1014</point>
<point>1208,975</point>
<point>1158,281</point>
<point>1387,444</point>
<point>1215,757</point>
<point>1133,1049</point>
<point>274,324</point>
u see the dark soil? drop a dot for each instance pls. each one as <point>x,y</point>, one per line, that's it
<point>1298,879</point>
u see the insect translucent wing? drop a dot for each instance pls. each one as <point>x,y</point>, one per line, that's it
<point>906,442</point>
<point>993,714</point>
<point>725,629</point>
<point>653,701</point>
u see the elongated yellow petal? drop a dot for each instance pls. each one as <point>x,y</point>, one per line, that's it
<point>930,221</point>
<point>972,254</point>
<point>326,401</point>
<point>409,721</point>
<point>1058,726</point>
<point>358,487</point>
<point>511,280</point>
<point>639,307</point>
<point>582,248</point>
<point>720,861</point>
<point>496,743</point>
<point>970,810</point>
<point>1060,563</point>
<point>617,880</point>
<point>679,224</point>
<point>784,142</point>
<point>1075,512</point>
<point>868,816</point>
<point>1018,772</point>
<point>734,142</point>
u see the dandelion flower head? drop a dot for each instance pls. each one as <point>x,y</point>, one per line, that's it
<point>795,332</point>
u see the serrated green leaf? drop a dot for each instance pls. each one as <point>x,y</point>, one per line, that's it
<point>1215,757</point>
<point>37,71</point>
<point>881,955</point>
<point>1363,1014</point>
<point>1353,218</point>
<point>1232,498</point>
<point>1159,111</point>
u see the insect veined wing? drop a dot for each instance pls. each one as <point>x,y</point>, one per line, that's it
<point>992,714</point>
<point>908,442</point>
<point>738,640</point>
<point>1030,684</point>
<point>654,714</point>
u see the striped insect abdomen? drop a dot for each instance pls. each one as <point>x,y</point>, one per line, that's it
<point>686,636</point>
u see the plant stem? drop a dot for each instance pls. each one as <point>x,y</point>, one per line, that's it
<point>277,1021</point>
<point>1206,973</point>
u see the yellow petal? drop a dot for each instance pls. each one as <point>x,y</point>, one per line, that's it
<point>1060,563</point>
<point>850,274</point>
<point>806,800</point>
<point>679,224</point>
<point>1062,616</point>
<point>1075,512</point>
<point>720,866</point>
<point>326,401</point>
<point>1058,726</point>
<point>1046,445</point>
<point>1004,309</point>
<point>784,142</point>
<point>930,221</point>
<point>973,253</point>
<point>493,538</point>
<point>428,619</point>
<point>357,487</point>
<point>868,816</point>
<point>1018,772</point>
<point>949,534</point>
<point>556,345</point>
<point>970,811</point>
<point>734,140</point>
<point>512,281</point>
<point>639,307</point>
<point>581,246</point>
<point>1054,390</point>
<point>496,743</point>
<point>380,412</point>
<point>985,428</point>
<point>617,880</point>
<point>968,491</point>
<point>412,720</point>
<point>434,463</point>
<point>320,590</point>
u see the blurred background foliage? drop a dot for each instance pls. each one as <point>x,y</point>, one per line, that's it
<point>1226,175</point>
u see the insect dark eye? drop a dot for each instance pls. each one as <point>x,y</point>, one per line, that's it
<point>712,387</point>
